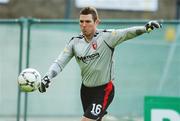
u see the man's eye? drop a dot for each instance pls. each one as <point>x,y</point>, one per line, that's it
<point>88,21</point>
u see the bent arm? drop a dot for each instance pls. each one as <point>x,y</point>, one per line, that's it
<point>60,62</point>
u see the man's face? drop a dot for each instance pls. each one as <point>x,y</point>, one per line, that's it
<point>87,25</point>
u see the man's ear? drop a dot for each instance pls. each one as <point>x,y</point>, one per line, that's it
<point>97,22</point>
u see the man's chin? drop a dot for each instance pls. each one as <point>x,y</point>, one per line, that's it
<point>85,34</point>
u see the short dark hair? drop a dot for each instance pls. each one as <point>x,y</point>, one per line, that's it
<point>90,10</point>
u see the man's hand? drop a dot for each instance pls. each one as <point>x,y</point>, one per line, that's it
<point>151,25</point>
<point>45,82</point>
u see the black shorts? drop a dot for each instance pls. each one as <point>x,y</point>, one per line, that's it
<point>95,100</point>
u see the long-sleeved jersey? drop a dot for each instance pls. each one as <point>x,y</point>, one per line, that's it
<point>95,58</point>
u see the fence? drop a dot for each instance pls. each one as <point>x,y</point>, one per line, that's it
<point>146,65</point>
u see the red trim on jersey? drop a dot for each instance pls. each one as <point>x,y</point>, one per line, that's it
<point>108,89</point>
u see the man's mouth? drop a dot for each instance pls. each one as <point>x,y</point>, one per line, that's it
<point>84,31</point>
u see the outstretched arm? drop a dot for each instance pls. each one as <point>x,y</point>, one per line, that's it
<point>120,35</point>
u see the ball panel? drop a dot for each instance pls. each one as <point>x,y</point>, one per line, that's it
<point>26,88</point>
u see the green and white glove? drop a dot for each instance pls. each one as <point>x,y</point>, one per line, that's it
<point>45,82</point>
<point>151,25</point>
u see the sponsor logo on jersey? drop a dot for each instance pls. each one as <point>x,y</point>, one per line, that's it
<point>87,58</point>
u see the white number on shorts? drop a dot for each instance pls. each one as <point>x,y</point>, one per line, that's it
<point>96,109</point>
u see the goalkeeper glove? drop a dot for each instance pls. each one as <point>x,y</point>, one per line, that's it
<point>45,82</point>
<point>151,25</point>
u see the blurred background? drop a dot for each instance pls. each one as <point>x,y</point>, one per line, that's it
<point>34,32</point>
<point>108,9</point>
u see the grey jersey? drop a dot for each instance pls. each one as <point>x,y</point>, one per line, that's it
<point>95,58</point>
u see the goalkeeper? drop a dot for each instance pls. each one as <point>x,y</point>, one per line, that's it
<point>93,50</point>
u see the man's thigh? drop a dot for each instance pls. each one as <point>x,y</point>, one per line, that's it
<point>96,101</point>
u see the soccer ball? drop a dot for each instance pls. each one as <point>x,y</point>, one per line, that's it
<point>29,80</point>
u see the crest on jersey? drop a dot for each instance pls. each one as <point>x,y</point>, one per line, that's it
<point>94,45</point>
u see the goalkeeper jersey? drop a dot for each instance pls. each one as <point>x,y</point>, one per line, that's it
<point>95,58</point>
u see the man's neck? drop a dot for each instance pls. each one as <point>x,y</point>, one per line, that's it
<point>88,38</point>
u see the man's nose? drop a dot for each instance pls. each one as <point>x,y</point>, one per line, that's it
<point>84,24</point>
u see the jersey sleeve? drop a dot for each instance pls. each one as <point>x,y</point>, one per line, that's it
<point>118,36</point>
<point>63,58</point>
